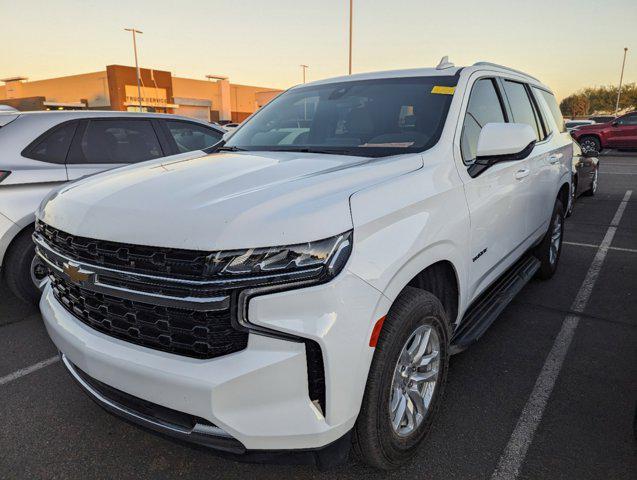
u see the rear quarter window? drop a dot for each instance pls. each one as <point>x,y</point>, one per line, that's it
<point>53,145</point>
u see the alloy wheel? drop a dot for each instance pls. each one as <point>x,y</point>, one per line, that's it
<point>556,239</point>
<point>415,379</point>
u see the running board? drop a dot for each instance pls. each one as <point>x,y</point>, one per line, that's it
<point>489,305</point>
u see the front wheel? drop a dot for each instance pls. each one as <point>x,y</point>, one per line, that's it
<point>590,144</point>
<point>549,251</point>
<point>406,381</point>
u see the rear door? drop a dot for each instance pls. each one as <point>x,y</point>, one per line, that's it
<point>106,143</point>
<point>540,183</point>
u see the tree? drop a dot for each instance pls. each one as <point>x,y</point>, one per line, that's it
<point>599,100</point>
<point>576,105</point>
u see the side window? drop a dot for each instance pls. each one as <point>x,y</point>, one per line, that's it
<point>630,119</point>
<point>190,136</point>
<point>484,107</point>
<point>551,101</point>
<point>521,107</point>
<point>54,146</point>
<point>119,141</point>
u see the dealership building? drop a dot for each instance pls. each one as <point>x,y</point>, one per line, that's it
<point>115,88</point>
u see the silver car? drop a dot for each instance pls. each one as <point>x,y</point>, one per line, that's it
<point>41,150</point>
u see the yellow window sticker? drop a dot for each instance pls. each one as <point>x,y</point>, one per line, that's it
<point>443,90</point>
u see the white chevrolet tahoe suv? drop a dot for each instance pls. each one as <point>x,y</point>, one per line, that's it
<point>301,288</point>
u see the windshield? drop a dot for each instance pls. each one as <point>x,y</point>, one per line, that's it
<point>369,118</point>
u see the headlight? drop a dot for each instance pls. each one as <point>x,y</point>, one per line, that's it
<point>320,260</point>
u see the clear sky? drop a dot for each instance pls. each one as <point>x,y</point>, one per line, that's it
<point>568,44</point>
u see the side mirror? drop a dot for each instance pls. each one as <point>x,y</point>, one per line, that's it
<point>615,123</point>
<point>502,142</point>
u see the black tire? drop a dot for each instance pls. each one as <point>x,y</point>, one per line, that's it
<point>549,262</point>
<point>375,441</point>
<point>573,198</point>
<point>591,191</point>
<point>589,143</point>
<point>17,268</point>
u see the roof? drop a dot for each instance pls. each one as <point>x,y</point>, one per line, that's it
<point>71,114</point>
<point>425,72</point>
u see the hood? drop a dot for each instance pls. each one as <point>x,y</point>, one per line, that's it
<point>221,201</point>
<point>595,127</point>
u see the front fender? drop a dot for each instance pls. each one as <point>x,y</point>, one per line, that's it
<point>396,236</point>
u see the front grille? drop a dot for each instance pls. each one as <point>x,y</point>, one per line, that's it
<point>196,334</point>
<point>169,262</point>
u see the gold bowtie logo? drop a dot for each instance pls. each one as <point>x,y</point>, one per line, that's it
<point>75,273</point>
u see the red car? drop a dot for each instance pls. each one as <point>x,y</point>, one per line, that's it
<point>619,133</point>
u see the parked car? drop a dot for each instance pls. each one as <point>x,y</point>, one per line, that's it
<point>300,292</point>
<point>585,174</point>
<point>575,124</point>
<point>619,133</point>
<point>41,150</point>
<point>7,108</point>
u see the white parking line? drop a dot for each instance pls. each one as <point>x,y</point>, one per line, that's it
<point>619,249</point>
<point>25,371</point>
<point>522,436</point>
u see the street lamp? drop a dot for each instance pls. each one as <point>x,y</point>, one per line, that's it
<point>621,78</point>
<point>351,15</point>
<point>304,67</point>
<point>139,84</point>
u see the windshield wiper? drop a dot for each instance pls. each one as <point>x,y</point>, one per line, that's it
<point>335,151</point>
<point>230,149</point>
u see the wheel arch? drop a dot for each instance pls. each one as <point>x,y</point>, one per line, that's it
<point>441,280</point>
<point>11,236</point>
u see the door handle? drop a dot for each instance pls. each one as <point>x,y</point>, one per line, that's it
<point>520,174</point>
<point>553,159</point>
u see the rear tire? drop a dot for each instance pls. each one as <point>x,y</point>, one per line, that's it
<point>19,262</point>
<point>573,198</point>
<point>548,252</point>
<point>384,437</point>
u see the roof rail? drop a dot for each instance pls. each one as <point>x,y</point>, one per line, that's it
<point>491,64</point>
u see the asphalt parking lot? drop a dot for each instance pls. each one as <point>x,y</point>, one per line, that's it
<point>551,388</point>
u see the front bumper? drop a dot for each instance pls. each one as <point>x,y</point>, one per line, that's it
<point>258,396</point>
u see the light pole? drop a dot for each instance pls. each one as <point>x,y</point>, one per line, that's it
<point>621,78</point>
<point>139,84</point>
<point>351,15</point>
<point>304,67</point>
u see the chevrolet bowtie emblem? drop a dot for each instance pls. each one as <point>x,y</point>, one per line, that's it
<point>75,273</point>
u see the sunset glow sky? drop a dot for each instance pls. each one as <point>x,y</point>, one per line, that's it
<point>568,44</point>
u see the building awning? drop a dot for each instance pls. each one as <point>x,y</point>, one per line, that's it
<point>151,104</point>
<point>65,104</point>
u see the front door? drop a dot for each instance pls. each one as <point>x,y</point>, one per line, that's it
<point>497,199</point>
<point>623,132</point>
